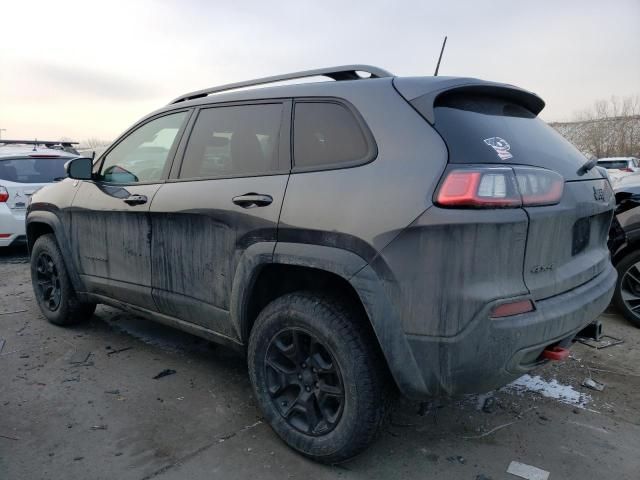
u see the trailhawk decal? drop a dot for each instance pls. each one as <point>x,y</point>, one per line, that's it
<point>501,147</point>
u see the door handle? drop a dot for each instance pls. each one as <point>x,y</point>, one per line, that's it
<point>136,200</point>
<point>250,200</point>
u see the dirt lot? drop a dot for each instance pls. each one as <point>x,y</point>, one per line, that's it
<point>81,403</point>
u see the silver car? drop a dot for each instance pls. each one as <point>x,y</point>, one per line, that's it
<point>23,170</point>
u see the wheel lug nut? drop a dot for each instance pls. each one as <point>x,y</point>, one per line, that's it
<point>299,377</point>
<point>308,388</point>
<point>284,404</point>
<point>317,384</point>
<point>314,370</point>
<point>304,365</point>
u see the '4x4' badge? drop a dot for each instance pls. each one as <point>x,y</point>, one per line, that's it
<point>501,147</point>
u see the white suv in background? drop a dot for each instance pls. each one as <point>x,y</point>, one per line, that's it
<point>24,168</point>
<point>619,167</point>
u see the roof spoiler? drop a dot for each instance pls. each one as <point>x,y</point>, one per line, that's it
<point>423,93</point>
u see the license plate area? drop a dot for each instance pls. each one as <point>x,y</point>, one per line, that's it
<point>581,235</point>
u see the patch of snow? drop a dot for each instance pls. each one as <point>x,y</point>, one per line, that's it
<point>549,389</point>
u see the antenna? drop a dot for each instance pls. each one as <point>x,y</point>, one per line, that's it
<point>440,57</point>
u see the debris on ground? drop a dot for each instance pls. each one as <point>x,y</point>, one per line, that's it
<point>480,476</point>
<point>9,437</point>
<point>15,311</point>
<point>99,427</point>
<point>602,342</point>
<point>493,430</point>
<point>111,352</point>
<point>457,458</point>
<point>528,472</point>
<point>593,385</point>
<point>489,405</point>
<point>2,341</point>
<point>164,373</point>
<point>112,392</point>
<point>79,356</point>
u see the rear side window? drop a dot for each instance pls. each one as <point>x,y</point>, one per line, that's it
<point>327,134</point>
<point>232,141</point>
<point>33,170</point>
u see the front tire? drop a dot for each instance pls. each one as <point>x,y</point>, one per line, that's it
<point>52,287</point>
<point>318,376</point>
<point>627,293</point>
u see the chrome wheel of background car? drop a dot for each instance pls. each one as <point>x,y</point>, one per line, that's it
<point>304,382</point>
<point>630,289</point>
<point>48,282</point>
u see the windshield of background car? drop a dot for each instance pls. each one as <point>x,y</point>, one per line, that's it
<point>33,170</point>
<point>617,165</point>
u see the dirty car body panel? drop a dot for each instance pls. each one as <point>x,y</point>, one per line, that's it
<point>428,276</point>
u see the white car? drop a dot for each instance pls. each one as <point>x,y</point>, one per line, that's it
<point>23,170</point>
<point>619,167</point>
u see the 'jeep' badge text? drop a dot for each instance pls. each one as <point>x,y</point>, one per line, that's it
<point>598,194</point>
<point>501,147</point>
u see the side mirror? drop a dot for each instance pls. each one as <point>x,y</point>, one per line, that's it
<point>79,168</point>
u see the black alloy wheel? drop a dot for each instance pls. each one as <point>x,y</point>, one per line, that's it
<point>48,282</point>
<point>304,381</point>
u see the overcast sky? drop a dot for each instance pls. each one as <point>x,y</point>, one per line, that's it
<point>90,69</point>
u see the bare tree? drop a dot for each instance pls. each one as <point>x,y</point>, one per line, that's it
<point>93,142</point>
<point>611,128</point>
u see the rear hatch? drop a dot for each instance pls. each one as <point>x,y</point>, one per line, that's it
<point>567,241</point>
<point>21,177</point>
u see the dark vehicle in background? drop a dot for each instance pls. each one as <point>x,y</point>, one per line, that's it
<point>26,166</point>
<point>353,237</point>
<point>624,243</point>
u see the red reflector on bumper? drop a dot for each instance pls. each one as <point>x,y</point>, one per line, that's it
<point>513,308</point>
<point>5,235</point>
<point>555,353</point>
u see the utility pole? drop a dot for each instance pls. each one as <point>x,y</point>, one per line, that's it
<point>2,130</point>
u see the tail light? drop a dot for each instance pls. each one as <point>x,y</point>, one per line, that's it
<point>4,195</point>
<point>499,187</point>
<point>626,169</point>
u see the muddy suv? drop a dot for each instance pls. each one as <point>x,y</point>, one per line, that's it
<point>354,237</point>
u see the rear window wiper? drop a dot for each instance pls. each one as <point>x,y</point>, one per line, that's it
<point>587,166</point>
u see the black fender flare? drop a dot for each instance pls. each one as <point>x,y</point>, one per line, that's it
<point>369,287</point>
<point>53,221</point>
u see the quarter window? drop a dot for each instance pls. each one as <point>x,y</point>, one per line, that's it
<point>327,134</point>
<point>143,154</point>
<point>232,141</point>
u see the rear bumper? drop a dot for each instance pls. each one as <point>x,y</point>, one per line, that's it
<point>11,223</point>
<point>490,353</point>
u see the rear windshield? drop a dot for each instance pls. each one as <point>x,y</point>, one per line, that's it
<point>482,129</point>
<point>614,165</point>
<point>33,170</point>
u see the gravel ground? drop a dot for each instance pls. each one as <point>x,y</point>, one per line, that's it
<point>81,403</point>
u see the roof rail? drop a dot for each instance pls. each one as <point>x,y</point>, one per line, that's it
<point>344,72</point>
<point>62,143</point>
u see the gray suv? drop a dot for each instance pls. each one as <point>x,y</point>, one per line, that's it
<point>353,237</point>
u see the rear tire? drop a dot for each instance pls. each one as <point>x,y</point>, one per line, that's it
<point>52,287</point>
<point>628,286</point>
<point>318,376</point>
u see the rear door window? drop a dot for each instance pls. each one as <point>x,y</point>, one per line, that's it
<point>240,140</point>
<point>33,170</point>
<point>327,135</point>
